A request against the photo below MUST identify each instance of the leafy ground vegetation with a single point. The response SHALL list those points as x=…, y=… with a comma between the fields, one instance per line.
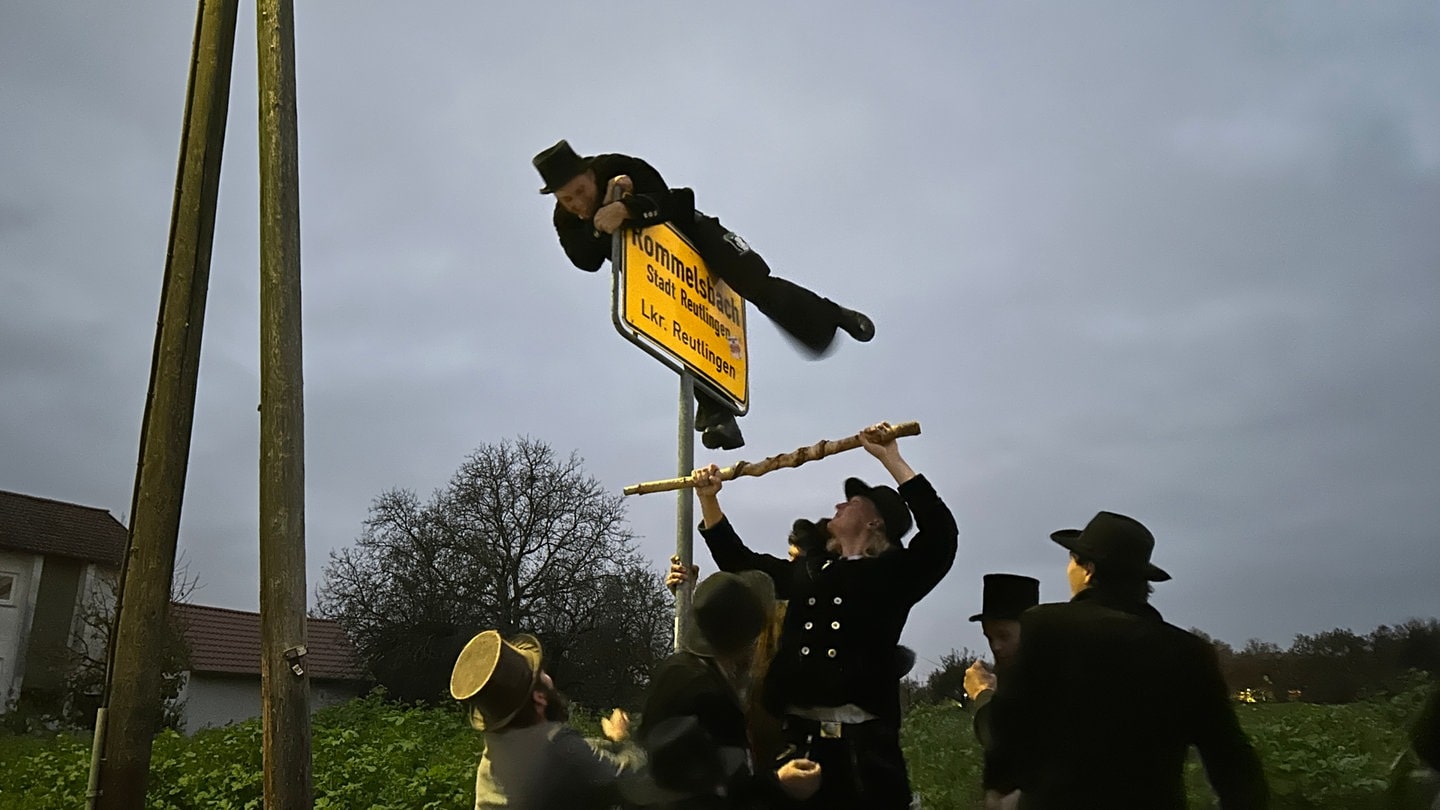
x=373, y=754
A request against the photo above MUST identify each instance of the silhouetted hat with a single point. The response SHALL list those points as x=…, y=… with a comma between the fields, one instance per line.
x=558, y=165
x=888, y=503
x=1121, y=542
x=730, y=611
x=810, y=536
x=495, y=677
x=1006, y=596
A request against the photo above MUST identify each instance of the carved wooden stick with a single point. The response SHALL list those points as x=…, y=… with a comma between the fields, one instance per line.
x=794, y=458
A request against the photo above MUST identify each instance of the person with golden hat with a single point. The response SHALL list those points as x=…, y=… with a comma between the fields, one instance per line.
x=533, y=759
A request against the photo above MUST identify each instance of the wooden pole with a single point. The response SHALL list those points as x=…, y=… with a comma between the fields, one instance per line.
x=132, y=691
x=794, y=458
x=284, y=686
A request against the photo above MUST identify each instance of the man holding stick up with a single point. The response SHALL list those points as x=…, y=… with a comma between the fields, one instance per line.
x=833, y=679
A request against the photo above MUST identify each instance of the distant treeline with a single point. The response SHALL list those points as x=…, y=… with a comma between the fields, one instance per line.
x=1336, y=666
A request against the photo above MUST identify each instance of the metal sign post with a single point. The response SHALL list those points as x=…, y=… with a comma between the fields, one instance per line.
x=685, y=507
x=667, y=302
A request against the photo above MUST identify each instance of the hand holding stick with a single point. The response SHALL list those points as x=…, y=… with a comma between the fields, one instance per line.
x=794, y=458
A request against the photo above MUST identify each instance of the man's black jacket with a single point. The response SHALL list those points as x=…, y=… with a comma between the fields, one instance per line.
x=1101, y=707
x=651, y=203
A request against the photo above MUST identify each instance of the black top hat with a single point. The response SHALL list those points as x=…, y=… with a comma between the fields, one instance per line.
x=888, y=503
x=558, y=165
x=730, y=611
x=1006, y=596
x=1120, y=541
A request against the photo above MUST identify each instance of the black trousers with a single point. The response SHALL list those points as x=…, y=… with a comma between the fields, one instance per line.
x=862, y=768
x=807, y=318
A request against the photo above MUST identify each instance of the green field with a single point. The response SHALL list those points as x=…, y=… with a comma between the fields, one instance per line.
x=369, y=754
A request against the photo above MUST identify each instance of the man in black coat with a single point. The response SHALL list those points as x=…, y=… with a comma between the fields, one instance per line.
x=1004, y=598
x=693, y=726
x=584, y=223
x=834, y=679
x=1105, y=698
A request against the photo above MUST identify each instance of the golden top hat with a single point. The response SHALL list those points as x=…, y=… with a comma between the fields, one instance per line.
x=495, y=677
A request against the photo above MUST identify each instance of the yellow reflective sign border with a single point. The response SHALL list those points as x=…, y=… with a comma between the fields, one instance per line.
x=667, y=302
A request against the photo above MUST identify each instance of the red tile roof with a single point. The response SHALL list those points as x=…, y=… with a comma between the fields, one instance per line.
x=46, y=527
x=228, y=641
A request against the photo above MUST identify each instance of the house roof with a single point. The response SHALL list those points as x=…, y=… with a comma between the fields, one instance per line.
x=46, y=527
x=227, y=641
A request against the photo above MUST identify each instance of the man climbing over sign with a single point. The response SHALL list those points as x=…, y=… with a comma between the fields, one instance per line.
x=584, y=223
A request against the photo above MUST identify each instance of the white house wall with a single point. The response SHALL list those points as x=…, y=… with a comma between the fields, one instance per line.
x=15, y=618
x=217, y=700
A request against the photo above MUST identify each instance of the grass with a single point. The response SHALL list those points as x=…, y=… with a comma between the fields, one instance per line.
x=370, y=754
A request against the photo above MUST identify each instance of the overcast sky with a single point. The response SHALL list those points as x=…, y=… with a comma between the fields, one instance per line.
x=1176, y=261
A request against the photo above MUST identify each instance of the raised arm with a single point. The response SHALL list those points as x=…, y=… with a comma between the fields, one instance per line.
x=932, y=551
x=726, y=547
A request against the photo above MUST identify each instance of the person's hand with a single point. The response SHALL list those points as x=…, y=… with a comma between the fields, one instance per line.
x=799, y=778
x=978, y=678
x=621, y=182
x=875, y=443
x=679, y=575
x=610, y=217
x=707, y=481
x=616, y=727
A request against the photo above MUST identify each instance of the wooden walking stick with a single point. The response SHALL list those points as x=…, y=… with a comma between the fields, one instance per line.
x=794, y=458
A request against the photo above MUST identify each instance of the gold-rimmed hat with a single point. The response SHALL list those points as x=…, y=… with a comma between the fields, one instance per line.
x=495, y=677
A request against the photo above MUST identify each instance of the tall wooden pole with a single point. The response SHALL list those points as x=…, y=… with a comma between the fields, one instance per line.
x=128, y=722
x=284, y=683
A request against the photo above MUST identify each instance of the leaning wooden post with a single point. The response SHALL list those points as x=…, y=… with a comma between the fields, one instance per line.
x=127, y=722
x=284, y=687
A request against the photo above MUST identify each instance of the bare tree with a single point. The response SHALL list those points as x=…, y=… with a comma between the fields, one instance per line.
x=85, y=678
x=519, y=540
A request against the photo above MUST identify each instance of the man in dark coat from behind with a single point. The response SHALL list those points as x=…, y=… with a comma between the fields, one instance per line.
x=1105, y=698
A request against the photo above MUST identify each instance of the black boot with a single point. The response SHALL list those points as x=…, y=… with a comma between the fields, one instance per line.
x=723, y=435
x=856, y=324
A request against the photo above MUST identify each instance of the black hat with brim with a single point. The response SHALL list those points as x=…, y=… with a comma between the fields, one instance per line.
x=731, y=610
x=558, y=165
x=1006, y=596
x=892, y=508
x=1118, y=540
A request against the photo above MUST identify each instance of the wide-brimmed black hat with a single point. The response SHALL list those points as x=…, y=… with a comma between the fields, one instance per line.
x=888, y=503
x=1006, y=596
x=558, y=165
x=1120, y=541
x=730, y=610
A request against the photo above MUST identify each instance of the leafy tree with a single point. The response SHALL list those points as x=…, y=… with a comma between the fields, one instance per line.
x=947, y=681
x=519, y=540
